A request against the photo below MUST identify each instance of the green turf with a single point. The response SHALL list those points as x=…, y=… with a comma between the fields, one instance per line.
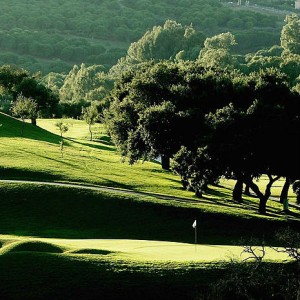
x=49, y=211
x=38, y=155
x=153, y=256
x=110, y=269
x=139, y=251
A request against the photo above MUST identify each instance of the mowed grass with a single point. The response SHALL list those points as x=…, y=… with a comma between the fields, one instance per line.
x=37, y=155
x=140, y=251
x=60, y=212
x=106, y=275
x=66, y=243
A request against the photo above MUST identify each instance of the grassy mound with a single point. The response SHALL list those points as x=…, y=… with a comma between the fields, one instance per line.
x=91, y=251
x=31, y=246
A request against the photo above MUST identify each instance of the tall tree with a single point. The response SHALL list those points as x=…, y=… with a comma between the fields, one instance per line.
x=290, y=34
x=24, y=108
x=90, y=115
x=217, y=51
x=160, y=107
x=17, y=81
x=242, y=139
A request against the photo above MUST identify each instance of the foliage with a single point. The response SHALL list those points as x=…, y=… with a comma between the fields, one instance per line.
x=62, y=127
x=248, y=281
x=99, y=32
x=15, y=81
x=260, y=279
x=83, y=85
x=164, y=42
x=24, y=108
x=90, y=115
x=290, y=34
x=216, y=51
x=290, y=239
x=153, y=107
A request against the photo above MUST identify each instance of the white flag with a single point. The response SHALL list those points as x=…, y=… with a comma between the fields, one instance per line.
x=195, y=224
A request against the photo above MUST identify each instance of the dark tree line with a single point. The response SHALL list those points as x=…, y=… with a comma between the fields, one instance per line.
x=15, y=82
x=212, y=122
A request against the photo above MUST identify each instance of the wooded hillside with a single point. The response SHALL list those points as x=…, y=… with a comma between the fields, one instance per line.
x=54, y=35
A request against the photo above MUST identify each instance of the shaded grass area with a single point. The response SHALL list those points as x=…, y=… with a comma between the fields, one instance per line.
x=57, y=276
x=11, y=128
x=39, y=270
x=49, y=211
x=102, y=274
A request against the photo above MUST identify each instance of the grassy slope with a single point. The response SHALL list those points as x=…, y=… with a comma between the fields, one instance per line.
x=32, y=210
x=37, y=155
x=64, y=213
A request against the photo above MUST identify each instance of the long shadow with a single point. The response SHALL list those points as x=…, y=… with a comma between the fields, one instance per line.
x=98, y=147
x=11, y=128
x=13, y=173
x=106, y=140
x=218, y=193
x=49, y=158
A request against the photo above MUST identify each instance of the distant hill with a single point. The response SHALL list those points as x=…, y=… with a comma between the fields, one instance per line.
x=54, y=35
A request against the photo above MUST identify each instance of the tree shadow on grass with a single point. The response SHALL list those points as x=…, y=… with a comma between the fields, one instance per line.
x=11, y=128
x=14, y=173
x=106, y=140
x=49, y=158
x=219, y=194
x=98, y=147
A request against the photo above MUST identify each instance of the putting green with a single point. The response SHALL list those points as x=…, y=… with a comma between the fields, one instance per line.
x=142, y=250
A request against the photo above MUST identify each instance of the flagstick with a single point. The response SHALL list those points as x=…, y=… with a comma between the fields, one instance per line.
x=196, y=238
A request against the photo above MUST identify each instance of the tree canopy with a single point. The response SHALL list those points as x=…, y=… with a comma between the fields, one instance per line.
x=212, y=122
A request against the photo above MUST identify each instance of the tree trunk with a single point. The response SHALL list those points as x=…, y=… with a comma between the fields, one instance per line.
x=22, y=128
x=91, y=134
x=285, y=190
x=237, y=191
x=247, y=190
x=184, y=182
x=165, y=162
x=262, y=205
x=263, y=198
x=33, y=121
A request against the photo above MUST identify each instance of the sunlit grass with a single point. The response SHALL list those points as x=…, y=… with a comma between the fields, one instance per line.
x=96, y=162
x=135, y=250
x=37, y=156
